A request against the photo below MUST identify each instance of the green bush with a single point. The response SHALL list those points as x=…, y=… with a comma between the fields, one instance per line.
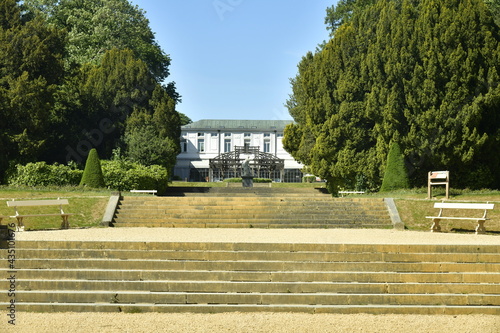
x=125, y=176
x=43, y=174
x=92, y=175
x=308, y=179
x=255, y=180
x=396, y=175
x=232, y=180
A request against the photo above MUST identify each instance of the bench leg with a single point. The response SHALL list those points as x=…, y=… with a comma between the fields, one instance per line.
x=65, y=222
x=480, y=229
x=435, y=226
x=20, y=224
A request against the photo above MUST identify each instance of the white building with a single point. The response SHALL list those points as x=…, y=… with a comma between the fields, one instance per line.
x=206, y=140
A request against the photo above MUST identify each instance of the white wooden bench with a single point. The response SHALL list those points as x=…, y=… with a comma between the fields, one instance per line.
x=350, y=192
x=460, y=206
x=153, y=192
x=35, y=203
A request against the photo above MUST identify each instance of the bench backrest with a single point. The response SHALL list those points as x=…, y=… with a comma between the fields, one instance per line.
x=57, y=202
x=460, y=205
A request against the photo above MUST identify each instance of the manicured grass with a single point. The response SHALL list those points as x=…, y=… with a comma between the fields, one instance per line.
x=88, y=205
x=413, y=206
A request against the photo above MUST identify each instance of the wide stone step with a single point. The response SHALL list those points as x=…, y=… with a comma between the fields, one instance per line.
x=226, y=276
x=388, y=249
x=281, y=210
x=263, y=287
x=231, y=222
x=168, y=265
x=184, y=213
x=201, y=201
x=215, y=308
x=227, y=298
x=283, y=225
x=262, y=276
x=36, y=256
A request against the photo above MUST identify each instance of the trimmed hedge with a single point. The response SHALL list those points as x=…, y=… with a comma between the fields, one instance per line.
x=255, y=180
x=126, y=176
x=118, y=175
x=309, y=179
x=43, y=174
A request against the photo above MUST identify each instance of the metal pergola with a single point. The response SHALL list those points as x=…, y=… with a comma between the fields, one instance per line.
x=263, y=165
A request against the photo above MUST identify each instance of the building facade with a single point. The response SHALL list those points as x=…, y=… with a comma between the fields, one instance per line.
x=207, y=140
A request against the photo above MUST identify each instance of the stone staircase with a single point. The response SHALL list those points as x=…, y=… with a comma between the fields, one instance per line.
x=254, y=208
x=53, y=276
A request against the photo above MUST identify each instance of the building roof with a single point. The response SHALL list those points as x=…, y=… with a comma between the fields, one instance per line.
x=219, y=124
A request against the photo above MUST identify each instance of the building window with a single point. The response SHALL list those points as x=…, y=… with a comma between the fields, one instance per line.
x=267, y=135
x=247, y=142
x=213, y=134
x=267, y=146
x=247, y=135
x=227, y=134
x=227, y=145
x=201, y=134
x=201, y=145
x=279, y=135
x=184, y=146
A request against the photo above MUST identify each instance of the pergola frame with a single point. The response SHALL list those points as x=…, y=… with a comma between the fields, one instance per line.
x=260, y=163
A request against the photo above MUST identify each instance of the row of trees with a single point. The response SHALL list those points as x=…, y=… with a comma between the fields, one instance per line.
x=422, y=74
x=83, y=74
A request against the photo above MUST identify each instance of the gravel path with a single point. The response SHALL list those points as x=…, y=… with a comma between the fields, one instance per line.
x=247, y=322
x=251, y=322
x=326, y=236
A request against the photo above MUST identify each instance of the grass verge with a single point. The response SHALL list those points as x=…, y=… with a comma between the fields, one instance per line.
x=88, y=205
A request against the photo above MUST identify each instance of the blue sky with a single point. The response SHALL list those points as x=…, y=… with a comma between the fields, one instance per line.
x=232, y=59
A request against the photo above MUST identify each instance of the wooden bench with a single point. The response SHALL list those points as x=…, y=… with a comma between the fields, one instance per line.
x=153, y=192
x=35, y=203
x=350, y=192
x=460, y=206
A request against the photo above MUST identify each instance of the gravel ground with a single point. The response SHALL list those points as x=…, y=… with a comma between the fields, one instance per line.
x=247, y=322
x=325, y=236
x=252, y=322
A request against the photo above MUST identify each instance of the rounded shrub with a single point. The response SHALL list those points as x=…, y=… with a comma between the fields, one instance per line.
x=92, y=175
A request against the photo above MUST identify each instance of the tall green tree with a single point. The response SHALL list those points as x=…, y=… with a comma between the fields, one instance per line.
x=31, y=68
x=97, y=26
x=112, y=90
x=152, y=134
x=423, y=74
x=494, y=6
x=343, y=11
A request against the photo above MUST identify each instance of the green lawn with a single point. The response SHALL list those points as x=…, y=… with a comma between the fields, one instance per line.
x=89, y=205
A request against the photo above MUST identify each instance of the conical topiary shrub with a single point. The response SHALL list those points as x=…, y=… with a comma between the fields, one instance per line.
x=92, y=175
x=396, y=175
